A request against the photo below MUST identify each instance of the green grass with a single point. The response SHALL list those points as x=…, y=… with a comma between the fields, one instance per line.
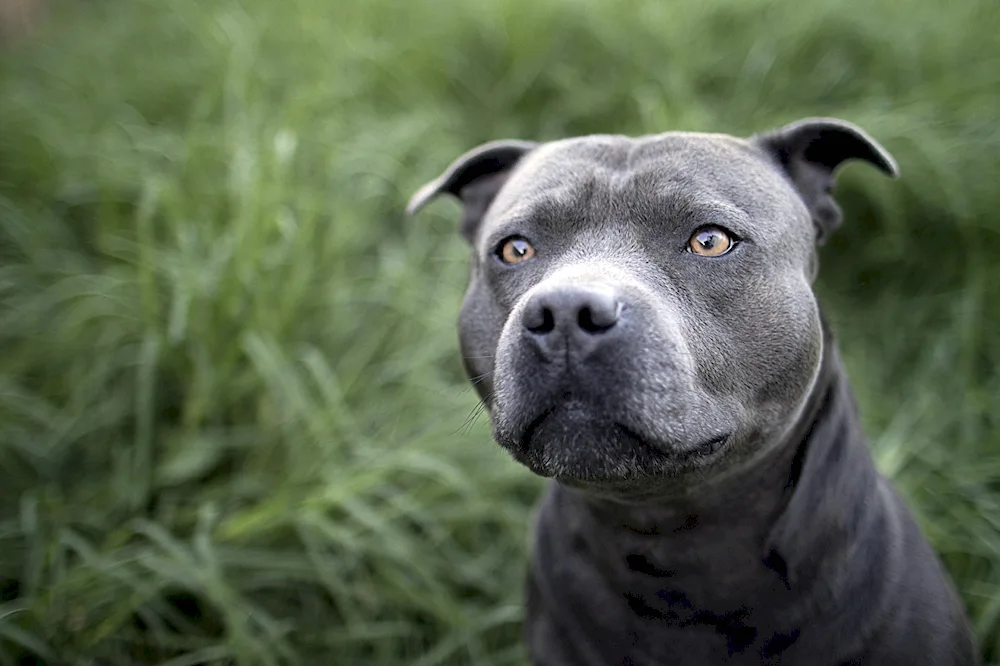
x=234, y=428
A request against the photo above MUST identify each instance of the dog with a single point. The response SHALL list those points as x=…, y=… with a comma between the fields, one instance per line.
x=641, y=325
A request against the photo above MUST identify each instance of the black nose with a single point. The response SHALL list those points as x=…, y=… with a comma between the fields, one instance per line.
x=574, y=315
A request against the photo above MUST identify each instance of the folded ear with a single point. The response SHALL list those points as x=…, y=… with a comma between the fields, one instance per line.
x=811, y=150
x=475, y=178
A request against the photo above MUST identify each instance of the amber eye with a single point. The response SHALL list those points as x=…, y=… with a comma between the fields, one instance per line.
x=515, y=250
x=710, y=242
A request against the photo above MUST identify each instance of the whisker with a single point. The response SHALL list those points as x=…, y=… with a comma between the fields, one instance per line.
x=468, y=418
x=475, y=381
x=480, y=410
x=473, y=416
x=475, y=420
x=479, y=378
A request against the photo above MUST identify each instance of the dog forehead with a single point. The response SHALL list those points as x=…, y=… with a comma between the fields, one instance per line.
x=596, y=168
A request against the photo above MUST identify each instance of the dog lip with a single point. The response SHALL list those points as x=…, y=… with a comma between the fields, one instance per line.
x=524, y=442
x=707, y=447
x=703, y=449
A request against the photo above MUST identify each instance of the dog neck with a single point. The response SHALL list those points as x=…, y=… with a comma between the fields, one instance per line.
x=786, y=520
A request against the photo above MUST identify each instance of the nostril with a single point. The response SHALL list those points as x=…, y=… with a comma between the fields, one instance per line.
x=598, y=319
x=571, y=310
x=585, y=319
x=542, y=321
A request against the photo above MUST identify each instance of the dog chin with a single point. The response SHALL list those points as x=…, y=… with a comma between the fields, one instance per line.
x=576, y=446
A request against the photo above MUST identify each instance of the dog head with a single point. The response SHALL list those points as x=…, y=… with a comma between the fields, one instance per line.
x=641, y=308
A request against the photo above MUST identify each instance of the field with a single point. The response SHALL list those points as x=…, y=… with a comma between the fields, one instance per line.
x=234, y=427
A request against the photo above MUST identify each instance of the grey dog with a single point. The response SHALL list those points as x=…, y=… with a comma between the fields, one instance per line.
x=641, y=317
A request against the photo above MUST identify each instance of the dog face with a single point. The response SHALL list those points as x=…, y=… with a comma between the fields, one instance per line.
x=642, y=308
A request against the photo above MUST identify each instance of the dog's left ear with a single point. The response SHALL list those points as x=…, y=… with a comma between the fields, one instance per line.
x=475, y=178
x=811, y=150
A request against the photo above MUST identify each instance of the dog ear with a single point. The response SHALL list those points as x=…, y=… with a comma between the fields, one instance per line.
x=474, y=178
x=811, y=150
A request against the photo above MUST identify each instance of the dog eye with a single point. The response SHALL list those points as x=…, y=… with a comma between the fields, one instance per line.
x=515, y=250
x=711, y=242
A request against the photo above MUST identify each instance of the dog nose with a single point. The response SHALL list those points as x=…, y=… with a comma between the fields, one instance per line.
x=578, y=314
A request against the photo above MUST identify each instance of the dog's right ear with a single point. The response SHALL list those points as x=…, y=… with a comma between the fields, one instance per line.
x=474, y=178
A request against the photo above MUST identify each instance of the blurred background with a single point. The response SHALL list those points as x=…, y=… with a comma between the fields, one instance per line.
x=234, y=427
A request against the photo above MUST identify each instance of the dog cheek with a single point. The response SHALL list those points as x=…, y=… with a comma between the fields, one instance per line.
x=479, y=325
x=763, y=347
x=489, y=335
x=790, y=356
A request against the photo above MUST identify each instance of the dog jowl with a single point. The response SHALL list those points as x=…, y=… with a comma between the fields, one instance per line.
x=642, y=312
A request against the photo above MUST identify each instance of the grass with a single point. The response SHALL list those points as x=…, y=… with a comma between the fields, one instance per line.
x=234, y=428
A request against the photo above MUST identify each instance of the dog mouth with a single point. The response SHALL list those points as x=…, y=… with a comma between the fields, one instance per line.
x=532, y=438
x=524, y=443
x=707, y=447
